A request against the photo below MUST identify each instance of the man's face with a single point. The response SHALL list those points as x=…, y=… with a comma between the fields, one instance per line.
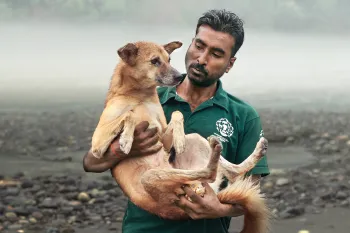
x=209, y=56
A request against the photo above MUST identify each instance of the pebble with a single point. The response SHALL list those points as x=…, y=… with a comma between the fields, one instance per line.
x=268, y=185
x=67, y=229
x=37, y=215
x=341, y=195
x=282, y=181
x=33, y=220
x=11, y=216
x=290, y=212
x=83, y=197
x=52, y=230
x=14, y=227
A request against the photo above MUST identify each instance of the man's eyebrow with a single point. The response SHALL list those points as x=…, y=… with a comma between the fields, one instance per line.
x=215, y=48
x=219, y=50
x=200, y=41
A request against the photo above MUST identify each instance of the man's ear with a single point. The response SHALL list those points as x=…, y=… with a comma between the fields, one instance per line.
x=128, y=53
x=230, y=64
x=170, y=47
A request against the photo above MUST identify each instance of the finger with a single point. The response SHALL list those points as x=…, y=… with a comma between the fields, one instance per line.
x=207, y=187
x=153, y=149
x=150, y=133
x=191, y=194
x=187, y=206
x=141, y=127
x=149, y=142
x=183, y=202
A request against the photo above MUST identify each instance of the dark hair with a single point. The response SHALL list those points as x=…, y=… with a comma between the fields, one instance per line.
x=224, y=21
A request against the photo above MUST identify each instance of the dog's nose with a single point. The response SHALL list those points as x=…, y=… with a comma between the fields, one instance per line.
x=179, y=77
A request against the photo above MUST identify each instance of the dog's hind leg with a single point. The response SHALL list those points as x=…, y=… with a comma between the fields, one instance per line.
x=158, y=181
x=243, y=191
x=232, y=171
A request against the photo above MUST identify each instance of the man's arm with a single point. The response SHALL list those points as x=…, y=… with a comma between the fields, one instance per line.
x=144, y=144
x=92, y=164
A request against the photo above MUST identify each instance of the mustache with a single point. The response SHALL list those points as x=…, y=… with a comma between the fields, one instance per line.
x=199, y=67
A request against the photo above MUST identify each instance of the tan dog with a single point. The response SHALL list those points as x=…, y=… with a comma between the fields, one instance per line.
x=152, y=182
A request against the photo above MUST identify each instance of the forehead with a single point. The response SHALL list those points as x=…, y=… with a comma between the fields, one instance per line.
x=214, y=38
x=152, y=50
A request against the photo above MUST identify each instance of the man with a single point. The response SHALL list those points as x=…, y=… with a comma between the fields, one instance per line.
x=207, y=110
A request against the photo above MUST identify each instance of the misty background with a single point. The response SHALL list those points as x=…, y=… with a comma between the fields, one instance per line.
x=64, y=51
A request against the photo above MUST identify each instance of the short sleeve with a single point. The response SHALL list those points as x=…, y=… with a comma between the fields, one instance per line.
x=251, y=135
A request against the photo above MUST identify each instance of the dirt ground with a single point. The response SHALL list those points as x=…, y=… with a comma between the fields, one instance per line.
x=331, y=220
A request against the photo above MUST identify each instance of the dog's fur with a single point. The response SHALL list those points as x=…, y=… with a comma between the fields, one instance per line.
x=154, y=182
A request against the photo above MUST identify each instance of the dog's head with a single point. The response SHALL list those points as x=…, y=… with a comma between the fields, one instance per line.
x=150, y=63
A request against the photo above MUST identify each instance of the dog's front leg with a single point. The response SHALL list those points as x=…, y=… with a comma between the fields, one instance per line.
x=174, y=135
x=127, y=136
x=111, y=123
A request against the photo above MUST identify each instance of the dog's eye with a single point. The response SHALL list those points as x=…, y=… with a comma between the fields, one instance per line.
x=155, y=61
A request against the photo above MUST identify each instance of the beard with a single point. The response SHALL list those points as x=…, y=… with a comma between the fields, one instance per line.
x=199, y=76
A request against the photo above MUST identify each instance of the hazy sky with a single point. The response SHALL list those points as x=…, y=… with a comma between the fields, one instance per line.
x=60, y=55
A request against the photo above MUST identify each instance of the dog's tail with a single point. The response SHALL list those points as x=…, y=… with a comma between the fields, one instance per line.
x=245, y=193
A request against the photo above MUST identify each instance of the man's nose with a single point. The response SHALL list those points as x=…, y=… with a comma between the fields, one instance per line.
x=202, y=59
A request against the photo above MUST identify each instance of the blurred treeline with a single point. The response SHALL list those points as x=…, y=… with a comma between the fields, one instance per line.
x=293, y=15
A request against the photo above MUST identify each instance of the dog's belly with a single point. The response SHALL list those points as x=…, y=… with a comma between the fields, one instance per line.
x=128, y=172
x=196, y=154
x=128, y=175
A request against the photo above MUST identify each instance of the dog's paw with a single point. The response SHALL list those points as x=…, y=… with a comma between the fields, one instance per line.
x=214, y=143
x=198, y=189
x=125, y=145
x=177, y=116
x=261, y=147
x=96, y=153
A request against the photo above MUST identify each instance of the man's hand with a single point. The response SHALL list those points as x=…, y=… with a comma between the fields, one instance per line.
x=208, y=206
x=144, y=143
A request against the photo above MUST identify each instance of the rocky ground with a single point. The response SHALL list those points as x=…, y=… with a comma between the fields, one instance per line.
x=65, y=203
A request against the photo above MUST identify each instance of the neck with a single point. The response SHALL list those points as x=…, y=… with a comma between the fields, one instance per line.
x=195, y=95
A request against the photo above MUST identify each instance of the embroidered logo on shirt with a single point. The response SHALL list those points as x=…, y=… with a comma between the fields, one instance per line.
x=224, y=127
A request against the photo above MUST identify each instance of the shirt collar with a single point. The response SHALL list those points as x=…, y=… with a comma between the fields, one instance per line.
x=220, y=98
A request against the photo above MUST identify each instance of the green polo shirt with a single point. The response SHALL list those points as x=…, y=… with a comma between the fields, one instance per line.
x=238, y=127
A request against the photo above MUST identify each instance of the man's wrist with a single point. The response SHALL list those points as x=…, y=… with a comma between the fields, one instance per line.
x=231, y=210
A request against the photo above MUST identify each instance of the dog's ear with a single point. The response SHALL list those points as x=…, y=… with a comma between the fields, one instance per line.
x=170, y=47
x=128, y=53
